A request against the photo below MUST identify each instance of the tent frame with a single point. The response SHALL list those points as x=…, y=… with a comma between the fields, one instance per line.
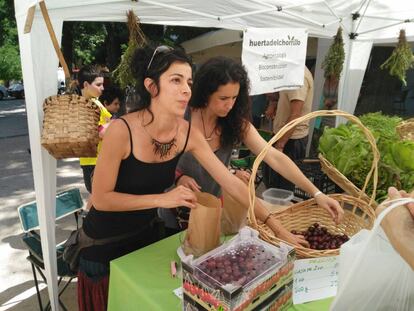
x=39, y=75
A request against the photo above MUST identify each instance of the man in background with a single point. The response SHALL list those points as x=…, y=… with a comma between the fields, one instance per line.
x=291, y=105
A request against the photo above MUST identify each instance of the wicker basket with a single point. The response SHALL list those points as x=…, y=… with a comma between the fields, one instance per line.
x=406, y=129
x=300, y=216
x=70, y=126
x=338, y=178
x=358, y=213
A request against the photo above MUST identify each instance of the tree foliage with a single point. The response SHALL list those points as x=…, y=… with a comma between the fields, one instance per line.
x=10, y=67
x=84, y=42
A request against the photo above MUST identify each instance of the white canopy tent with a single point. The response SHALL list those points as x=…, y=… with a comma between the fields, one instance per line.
x=364, y=21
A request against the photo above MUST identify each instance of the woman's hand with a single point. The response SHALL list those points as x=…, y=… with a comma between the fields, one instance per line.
x=244, y=176
x=179, y=196
x=294, y=239
x=189, y=183
x=331, y=205
x=284, y=234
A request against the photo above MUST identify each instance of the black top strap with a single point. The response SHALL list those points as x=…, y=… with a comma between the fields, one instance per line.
x=130, y=134
x=188, y=135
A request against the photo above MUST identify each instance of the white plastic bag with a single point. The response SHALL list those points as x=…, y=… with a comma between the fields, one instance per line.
x=372, y=275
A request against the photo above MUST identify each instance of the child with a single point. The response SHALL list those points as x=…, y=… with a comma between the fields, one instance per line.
x=111, y=99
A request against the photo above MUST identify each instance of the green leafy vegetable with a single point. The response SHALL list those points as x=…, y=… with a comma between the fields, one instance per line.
x=347, y=148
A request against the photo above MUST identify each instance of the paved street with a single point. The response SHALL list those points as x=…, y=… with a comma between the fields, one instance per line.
x=16, y=187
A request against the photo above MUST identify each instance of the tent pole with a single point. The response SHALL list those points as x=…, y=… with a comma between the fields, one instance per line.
x=271, y=8
x=344, y=77
x=39, y=65
x=386, y=18
x=362, y=15
x=336, y=15
x=387, y=26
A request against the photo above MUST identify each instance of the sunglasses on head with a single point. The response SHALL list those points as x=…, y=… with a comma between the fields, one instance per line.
x=160, y=49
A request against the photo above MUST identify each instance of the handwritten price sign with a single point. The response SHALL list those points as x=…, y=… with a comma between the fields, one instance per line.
x=315, y=279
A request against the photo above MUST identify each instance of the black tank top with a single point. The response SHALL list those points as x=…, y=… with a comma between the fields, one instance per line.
x=134, y=177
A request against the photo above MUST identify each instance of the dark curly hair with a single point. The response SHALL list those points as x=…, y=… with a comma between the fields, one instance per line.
x=214, y=73
x=160, y=63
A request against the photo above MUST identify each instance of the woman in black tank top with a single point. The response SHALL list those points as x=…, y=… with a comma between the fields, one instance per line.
x=136, y=164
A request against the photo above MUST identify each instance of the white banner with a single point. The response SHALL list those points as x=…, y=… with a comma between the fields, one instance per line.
x=274, y=58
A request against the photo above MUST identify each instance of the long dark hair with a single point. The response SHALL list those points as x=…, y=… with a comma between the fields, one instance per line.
x=214, y=73
x=160, y=63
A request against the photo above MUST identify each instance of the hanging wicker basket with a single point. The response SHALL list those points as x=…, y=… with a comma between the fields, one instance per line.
x=70, y=122
x=358, y=213
x=65, y=137
x=406, y=129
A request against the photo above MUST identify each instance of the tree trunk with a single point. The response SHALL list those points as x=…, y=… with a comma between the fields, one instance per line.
x=113, y=46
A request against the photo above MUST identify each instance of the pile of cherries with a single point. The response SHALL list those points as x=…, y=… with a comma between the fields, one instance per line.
x=319, y=237
x=238, y=265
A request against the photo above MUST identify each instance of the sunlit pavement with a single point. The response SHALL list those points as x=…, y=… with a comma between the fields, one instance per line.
x=17, y=291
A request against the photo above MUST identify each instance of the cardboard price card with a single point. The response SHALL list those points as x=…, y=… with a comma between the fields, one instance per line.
x=314, y=279
x=274, y=58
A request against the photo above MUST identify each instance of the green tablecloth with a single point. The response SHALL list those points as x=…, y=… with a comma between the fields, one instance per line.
x=141, y=280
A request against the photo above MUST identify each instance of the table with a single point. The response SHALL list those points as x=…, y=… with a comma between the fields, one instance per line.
x=141, y=280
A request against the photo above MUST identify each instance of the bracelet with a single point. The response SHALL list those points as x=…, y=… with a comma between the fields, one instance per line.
x=267, y=218
x=317, y=193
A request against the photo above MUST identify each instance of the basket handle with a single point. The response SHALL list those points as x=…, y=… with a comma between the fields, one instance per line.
x=52, y=35
x=320, y=113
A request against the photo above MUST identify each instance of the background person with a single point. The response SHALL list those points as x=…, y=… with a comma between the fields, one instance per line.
x=112, y=98
x=91, y=81
x=291, y=105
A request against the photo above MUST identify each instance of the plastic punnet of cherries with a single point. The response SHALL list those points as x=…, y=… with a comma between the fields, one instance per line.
x=239, y=265
x=319, y=238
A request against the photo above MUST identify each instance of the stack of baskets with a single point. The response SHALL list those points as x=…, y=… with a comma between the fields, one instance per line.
x=359, y=213
x=70, y=126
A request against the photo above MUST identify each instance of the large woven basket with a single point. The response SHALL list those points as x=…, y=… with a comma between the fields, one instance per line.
x=344, y=183
x=406, y=129
x=358, y=213
x=70, y=126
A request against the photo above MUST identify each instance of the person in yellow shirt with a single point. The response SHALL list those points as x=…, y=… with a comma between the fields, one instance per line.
x=91, y=85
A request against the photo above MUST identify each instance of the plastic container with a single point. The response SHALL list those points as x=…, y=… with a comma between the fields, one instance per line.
x=245, y=273
x=311, y=168
x=277, y=196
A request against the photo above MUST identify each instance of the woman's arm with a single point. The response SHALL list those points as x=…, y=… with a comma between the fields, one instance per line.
x=198, y=146
x=263, y=214
x=115, y=147
x=282, y=164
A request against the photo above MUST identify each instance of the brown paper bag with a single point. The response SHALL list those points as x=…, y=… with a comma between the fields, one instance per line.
x=234, y=215
x=203, y=233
